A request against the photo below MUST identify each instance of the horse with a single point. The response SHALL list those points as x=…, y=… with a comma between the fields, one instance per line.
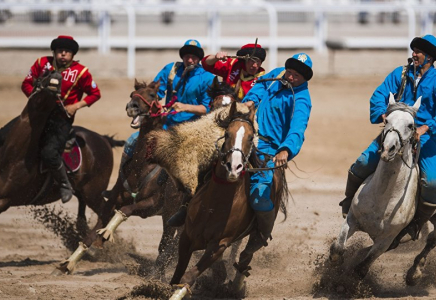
x=387, y=199
x=221, y=93
x=219, y=213
x=142, y=188
x=21, y=179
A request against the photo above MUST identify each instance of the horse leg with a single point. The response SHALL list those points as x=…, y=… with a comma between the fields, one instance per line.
x=337, y=248
x=185, y=254
x=166, y=249
x=213, y=252
x=81, y=225
x=380, y=246
x=243, y=266
x=414, y=274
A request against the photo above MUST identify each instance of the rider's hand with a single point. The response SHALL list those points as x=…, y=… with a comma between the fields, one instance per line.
x=178, y=107
x=384, y=118
x=420, y=131
x=221, y=56
x=281, y=158
x=249, y=104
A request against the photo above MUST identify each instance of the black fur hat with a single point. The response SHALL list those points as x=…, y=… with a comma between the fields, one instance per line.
x=65, y=42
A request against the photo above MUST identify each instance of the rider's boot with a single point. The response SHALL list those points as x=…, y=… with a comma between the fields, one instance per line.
x=178, y=219
x=265, y=225
x=60, y=175
x=124, y=159
x=353, y=184
x=411, y=232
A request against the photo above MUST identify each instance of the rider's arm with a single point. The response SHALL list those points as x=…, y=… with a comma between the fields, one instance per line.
x=295, y=136
x=380, y=98
x=34, y=72
x=259, y=90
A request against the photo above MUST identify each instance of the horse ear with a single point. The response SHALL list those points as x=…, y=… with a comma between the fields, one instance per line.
x=156, y=84
x=417, y=103
x=215, y=83
x=252, y=113
x=391, y=99
x=233, y=109
x=137, y=85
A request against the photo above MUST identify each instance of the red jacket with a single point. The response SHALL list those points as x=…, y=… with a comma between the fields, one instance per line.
x=231, y=72
x=76, y=76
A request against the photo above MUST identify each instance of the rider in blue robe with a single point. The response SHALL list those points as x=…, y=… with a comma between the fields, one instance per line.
x=408, y=86
x=283, y=107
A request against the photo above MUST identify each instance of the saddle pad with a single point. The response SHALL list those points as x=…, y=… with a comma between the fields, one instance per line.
x=72, y=158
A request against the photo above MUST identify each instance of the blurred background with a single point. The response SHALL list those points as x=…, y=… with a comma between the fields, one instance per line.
x=120, y=32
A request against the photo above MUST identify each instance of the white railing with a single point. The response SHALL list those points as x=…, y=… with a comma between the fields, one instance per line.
x=214, y=40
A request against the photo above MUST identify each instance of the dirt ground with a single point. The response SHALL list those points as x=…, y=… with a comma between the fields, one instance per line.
x=291, y=267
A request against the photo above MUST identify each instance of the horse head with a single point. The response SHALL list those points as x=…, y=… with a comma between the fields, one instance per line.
x=221, y=93
x=238, y=141
x=399, y=130
x=144, y=102
x=49, y=81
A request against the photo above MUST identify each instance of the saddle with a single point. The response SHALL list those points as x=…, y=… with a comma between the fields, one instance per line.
x=72, y=155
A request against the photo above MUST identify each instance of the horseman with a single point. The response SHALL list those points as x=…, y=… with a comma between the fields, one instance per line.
x=184, y=86
x=76, y=80
x=283, y=107
x=240, y=73
x=409, y=82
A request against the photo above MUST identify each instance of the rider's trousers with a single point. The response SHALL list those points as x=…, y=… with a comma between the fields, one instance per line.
x=261, y=182
x=367, y=162
x=54, y=137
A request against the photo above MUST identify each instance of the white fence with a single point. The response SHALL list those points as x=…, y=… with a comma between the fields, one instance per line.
x=278, y=25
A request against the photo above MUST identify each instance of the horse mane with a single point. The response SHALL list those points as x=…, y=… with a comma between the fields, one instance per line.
x=223, y=88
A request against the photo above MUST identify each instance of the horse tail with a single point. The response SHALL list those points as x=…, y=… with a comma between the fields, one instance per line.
x=113, y=142
x=282, y=192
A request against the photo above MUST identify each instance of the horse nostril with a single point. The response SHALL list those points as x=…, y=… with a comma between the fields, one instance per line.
x=228, y=166
x=239, y=167
x=392, y=149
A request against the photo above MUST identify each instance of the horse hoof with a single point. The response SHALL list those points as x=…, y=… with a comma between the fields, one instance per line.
x=57, y=272
x=413, y=276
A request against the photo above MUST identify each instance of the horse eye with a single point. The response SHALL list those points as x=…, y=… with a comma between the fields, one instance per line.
x=410, y=126
x=153, y=95
x=131, y=95
x=226, y=135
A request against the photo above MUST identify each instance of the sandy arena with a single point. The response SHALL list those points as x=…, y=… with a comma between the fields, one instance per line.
x=291, y=267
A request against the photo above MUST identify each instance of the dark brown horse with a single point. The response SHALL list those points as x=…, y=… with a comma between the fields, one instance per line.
x=219, y=213
x=22, y=183
x=142, y=188
x=221, y=93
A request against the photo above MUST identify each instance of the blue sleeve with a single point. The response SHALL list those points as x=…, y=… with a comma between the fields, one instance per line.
x=380, y=98
x=204, y=98
x=259, y=90
x=295, y=137
x=162, y=77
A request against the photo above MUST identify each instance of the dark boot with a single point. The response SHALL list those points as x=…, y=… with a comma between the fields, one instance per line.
x=411, y=232
x=178, y=219
x=353, y=184
x=60, y=175
x=124, y=159
x=265, y=224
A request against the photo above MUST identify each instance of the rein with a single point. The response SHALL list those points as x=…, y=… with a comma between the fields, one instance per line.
x=245, y=157
x=162, y=110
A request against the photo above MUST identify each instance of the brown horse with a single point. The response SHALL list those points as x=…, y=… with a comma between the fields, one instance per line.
x=221, y=93
x=219, y=213
x=22, y=183
x=142, y=188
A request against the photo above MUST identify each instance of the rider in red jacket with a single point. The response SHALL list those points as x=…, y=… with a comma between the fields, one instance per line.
x=76, y=80
x=239, y=73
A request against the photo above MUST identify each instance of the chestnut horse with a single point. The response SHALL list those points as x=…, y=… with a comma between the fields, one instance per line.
x=142, y=188
x=22, y=183
x=219, y=214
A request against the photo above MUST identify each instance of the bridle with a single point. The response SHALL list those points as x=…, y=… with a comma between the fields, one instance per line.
x=153, y=105
x=403, y=141
x=246, y=156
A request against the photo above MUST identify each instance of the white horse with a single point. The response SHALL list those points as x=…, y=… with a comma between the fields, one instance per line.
x=387, y=200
